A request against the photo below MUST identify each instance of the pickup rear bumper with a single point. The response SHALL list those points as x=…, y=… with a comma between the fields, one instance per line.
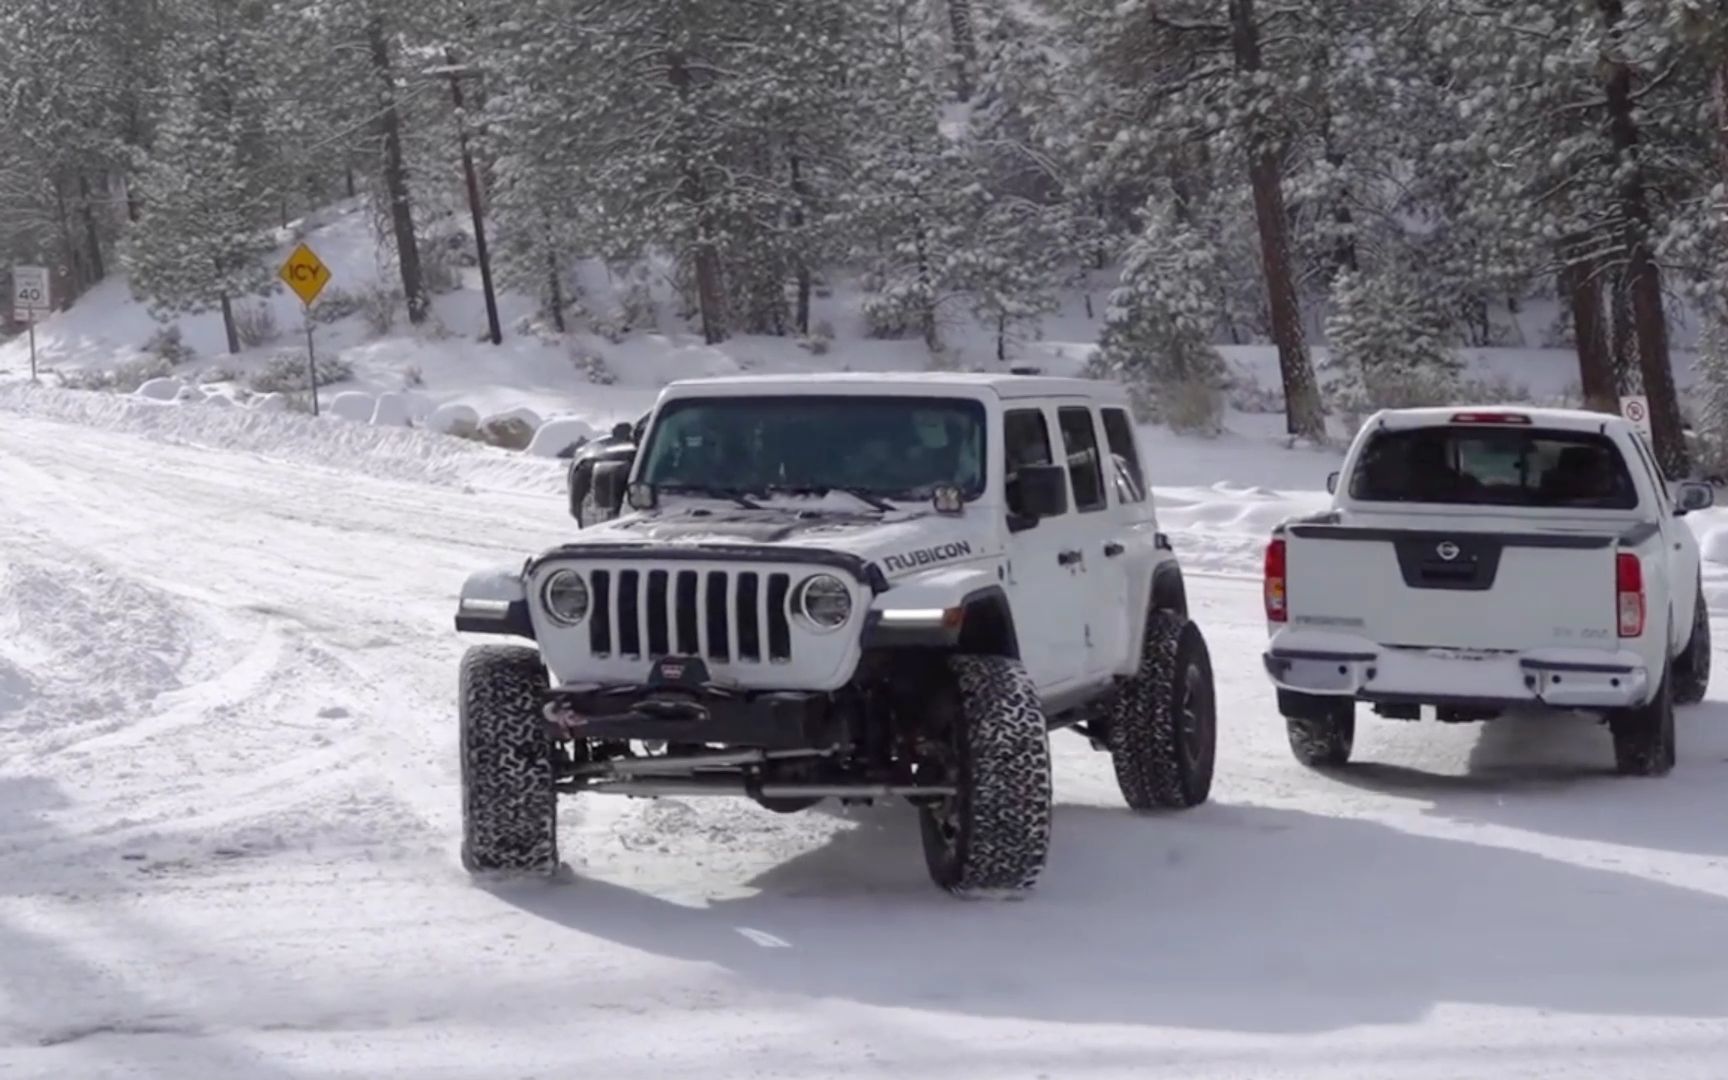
x=1338, y=665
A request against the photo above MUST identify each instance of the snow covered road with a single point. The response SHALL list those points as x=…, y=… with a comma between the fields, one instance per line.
x=228, y=832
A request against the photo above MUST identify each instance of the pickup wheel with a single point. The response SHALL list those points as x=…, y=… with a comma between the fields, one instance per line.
x=991, y=837
x=1644, y=736
x=1322, y=730
x=509, y=803
x=1164, y=726
x=1692, y=667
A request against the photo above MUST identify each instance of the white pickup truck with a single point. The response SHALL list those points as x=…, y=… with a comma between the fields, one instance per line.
x=1485, y=560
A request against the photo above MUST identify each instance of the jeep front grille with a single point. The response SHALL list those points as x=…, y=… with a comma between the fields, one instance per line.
x=722, y=616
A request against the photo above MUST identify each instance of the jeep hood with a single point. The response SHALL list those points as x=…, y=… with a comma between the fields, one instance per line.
x=902, y=542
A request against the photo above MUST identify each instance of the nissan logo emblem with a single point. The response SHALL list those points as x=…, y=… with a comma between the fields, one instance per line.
x=1447, y=550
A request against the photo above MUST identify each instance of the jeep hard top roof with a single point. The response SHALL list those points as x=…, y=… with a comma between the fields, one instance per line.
x=957, y=383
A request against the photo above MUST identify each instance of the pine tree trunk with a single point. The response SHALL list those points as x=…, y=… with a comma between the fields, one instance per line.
x=965, y=43
x=396, y=177
x=1303, y=413
x=1583, y=292
x=1644, y=277
x=228, y=326
x=1623, y=349
x=555, y=288
x=1344, y=246
x=92, y=234
x=802, y=269
x=74, y=258
x=710, y=277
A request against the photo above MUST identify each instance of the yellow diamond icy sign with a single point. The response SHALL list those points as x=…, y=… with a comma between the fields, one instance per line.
x=305, y=273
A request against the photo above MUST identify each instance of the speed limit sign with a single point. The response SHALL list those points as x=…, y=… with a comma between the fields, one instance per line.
x=30, y=294
x=1637, y=410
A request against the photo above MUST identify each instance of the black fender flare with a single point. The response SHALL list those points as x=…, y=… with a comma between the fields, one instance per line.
x=1169, y=590
x=986, y=628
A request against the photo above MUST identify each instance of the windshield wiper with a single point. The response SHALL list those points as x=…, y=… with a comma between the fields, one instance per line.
x=862, y=495
x=734, y=494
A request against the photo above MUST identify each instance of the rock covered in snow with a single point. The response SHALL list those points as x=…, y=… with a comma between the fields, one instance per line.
x=559, y=436
x=268, y=403
x=222, y=401
x=166, y=388
x=512, y=430
x=190, y=395
x=355, y=405
x=391, y=411
x=419, y=406
x=461, y=421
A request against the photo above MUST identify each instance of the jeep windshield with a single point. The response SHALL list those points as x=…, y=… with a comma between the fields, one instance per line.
x=1495, y=467
x=872, y=447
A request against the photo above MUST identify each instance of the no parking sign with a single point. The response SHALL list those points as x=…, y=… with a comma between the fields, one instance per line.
x=1637, y=410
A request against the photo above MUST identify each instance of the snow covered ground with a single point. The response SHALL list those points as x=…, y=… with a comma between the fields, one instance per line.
x=228, y=824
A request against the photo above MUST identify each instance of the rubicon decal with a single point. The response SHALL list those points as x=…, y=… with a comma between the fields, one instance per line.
x=929, y=556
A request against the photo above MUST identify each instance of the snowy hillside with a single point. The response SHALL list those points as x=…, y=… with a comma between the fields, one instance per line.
x=228, y=818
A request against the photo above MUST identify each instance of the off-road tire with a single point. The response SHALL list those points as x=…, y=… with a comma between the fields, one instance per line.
x=509, y=803
x=1644, y=736
x=1321, y=729
x=992, y=838
x=1692, y=667
x=1163, y=727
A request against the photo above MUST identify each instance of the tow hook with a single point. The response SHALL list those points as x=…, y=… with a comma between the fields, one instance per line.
x=563, y=724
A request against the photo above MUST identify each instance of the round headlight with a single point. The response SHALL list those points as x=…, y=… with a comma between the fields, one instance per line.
x=824, y=601
x=566, y=596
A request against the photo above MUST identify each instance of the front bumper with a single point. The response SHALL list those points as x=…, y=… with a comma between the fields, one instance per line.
x=1335, y=665
x=770, y=720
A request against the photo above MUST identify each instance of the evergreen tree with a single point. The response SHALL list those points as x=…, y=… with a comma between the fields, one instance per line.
x=1160, y=320
x=200, y=240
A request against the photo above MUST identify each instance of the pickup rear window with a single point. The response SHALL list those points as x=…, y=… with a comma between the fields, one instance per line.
x=1494, y=467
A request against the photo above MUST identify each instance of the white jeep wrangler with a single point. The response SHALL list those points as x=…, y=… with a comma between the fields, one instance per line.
x=851, y=587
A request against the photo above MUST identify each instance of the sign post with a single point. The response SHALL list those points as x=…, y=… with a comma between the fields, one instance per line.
x=1637, y=410
x=307, y=275
x=30, y=301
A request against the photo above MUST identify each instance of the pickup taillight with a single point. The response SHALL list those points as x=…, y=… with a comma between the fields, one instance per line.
x=1629, y=594
x=1277, y=604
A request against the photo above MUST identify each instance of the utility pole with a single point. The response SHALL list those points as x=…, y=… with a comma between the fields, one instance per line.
x=456, y=72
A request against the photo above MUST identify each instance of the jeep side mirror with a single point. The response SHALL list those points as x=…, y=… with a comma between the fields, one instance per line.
x=624, y=429
x=1692, y=495
x=1043, y=491
x=608, y=482
x=1332, y=483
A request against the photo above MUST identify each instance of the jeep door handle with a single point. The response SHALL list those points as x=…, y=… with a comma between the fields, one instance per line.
x=1113, y=549
x=1069, y=558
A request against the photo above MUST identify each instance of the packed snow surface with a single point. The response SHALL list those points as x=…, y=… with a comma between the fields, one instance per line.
x=229, y=820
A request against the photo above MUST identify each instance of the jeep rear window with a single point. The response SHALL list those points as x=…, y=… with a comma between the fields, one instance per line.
x=1522, y=467
x=885, y=445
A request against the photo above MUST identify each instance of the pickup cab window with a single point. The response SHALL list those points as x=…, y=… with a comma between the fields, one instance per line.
x=1494, y=467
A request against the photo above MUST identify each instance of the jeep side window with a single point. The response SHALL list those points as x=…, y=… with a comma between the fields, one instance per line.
x=1080, y=440
x=1025, y=441
x=1130, y=481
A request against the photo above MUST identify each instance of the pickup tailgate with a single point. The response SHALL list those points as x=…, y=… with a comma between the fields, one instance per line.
x=1437, y=589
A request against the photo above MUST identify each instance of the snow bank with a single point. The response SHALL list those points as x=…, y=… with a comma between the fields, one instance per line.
x=388, y=453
